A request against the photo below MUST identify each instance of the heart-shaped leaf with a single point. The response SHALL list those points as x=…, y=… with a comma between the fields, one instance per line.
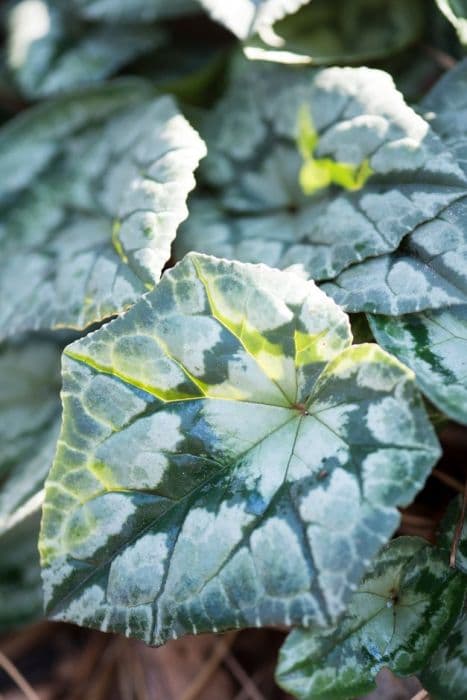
x=404, y=608
x=318, y=169
x=62, y=53
x=93, y=187
x=324, y=32
x=226, y=459
x=434, y=345
x=445, y=677
x=246, y=17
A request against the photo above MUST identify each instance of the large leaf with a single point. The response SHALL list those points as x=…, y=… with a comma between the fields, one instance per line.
x=456, y=12
x=133, y=10
x=246, y=17
x=226, y=458
x=434, y=345
x=429, y=271
x=318, y=169
x=445, y=677
x=403, y=609
x=325, y=32
x=49, y=50
x=93, y=187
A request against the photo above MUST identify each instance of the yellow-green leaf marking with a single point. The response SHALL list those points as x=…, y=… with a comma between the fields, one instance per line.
x=227, y=458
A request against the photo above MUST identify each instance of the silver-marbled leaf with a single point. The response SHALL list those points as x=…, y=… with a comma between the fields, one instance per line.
x=429, y=270
x=246, y=17
x=445, y=677
x=49, y=50
x=92, y=189
x=434, y=345
x=403, y=610
x=227, y=458
x=316, y=168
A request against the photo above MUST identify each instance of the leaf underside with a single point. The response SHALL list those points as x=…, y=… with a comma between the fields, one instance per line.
x=227, y=459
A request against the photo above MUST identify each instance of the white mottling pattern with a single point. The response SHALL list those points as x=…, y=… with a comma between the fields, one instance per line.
x=146, y=560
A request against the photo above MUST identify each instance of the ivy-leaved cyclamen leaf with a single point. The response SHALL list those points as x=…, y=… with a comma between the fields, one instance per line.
x=403, y=610
x=49, y=50
x=133, y=10
x=445, y=677
x=456, y=13
x=227, y=458
x=92, y=190
x=434, y=345
x=324, y=32
x=429, y=271
x=318, y=169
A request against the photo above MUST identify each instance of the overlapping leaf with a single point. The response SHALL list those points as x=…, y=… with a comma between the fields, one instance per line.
x=29, y=427
x=324, y=32
x=373, y=170
x=456, y=12
x=226, y=459
x=429, y=270
x=246, y=17
x=434, y=345
x=445, y=677
x=50, y=50
x=404, y=608
x=93, y=187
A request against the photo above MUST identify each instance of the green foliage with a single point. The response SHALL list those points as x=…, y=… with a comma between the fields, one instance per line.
x=226, y=420
x=226, y=456
x=404, y=608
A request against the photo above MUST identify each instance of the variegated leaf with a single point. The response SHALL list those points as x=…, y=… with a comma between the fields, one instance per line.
x=434, y=345
x=92, y=189
x=456, y=13
x=445, y=677
x=226, y=459
x=404, y=608
x=49, y=50
x=318, y=169
x=133, y=10
x=246, y=17
x=429, y=271
x=324, y=32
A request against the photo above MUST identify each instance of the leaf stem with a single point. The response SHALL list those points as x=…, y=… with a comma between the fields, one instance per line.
x=458, y=530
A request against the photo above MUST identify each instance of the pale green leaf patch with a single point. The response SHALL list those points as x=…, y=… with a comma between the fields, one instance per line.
x=434, y=345
x=247, y=17
x=315, y=168
x=227, y=458
x=403, y=610
x=93, y=188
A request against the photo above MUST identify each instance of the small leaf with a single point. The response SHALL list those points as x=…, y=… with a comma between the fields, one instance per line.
x=445, y=677
x=93, y=189
x=246, y=17
x=434, y=345
x=324, y=32
x=49, y=50
x=226, y=458
x=404, y=608
x=374, y=171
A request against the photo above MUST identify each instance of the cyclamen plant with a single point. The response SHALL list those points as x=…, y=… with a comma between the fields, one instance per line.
x=227, y=453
